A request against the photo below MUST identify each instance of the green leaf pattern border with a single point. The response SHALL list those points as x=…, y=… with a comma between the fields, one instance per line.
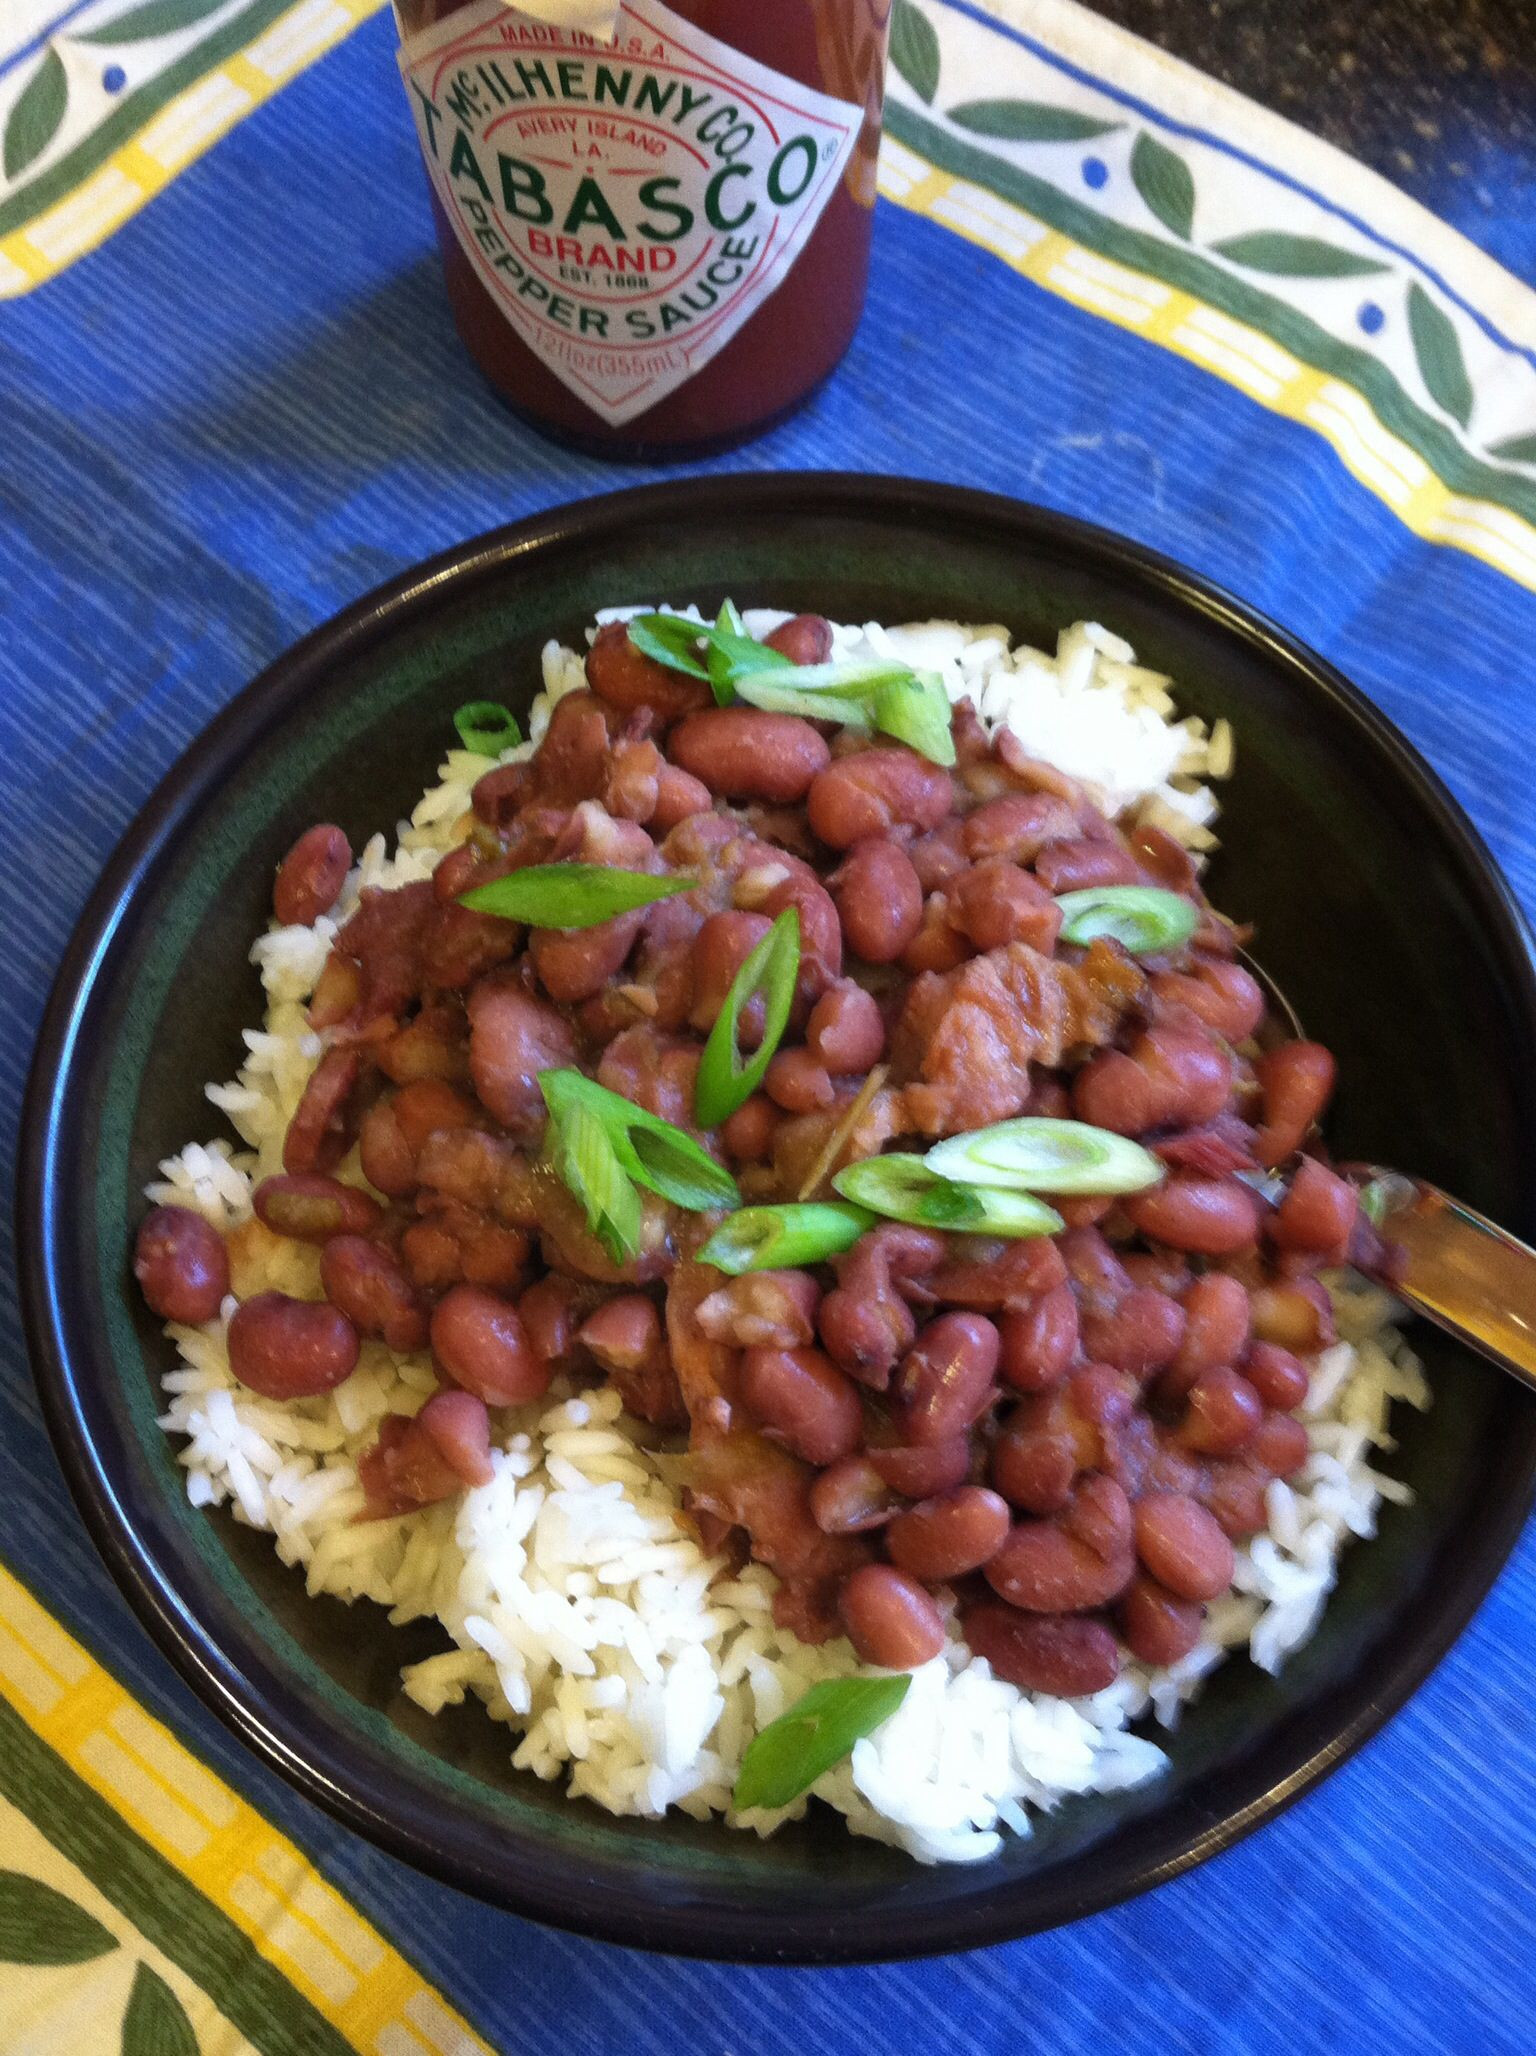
x=80, y=75
x=42, y=1928
x=1167, y=191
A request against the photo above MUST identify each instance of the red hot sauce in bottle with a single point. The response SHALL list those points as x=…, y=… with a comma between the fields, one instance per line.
x=657, y=245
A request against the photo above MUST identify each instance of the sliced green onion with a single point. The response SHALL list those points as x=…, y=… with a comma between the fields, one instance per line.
x=1040, y=1155
x=670, y=640
x=915, y=710
x=734, y=655
x=760, y=690
x=724, y=1081
x=589, y=1165
x=570, y=895
x=789, y=1755
x=781, y=1238
x=650, y=1150
x=903, y=1188
x=1141, y=918
x=487, y=727
x=856, y=678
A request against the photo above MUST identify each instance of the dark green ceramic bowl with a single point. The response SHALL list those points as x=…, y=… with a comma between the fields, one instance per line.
x=1379, y=911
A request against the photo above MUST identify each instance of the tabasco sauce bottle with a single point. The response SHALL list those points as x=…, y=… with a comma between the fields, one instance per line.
x=654, y=218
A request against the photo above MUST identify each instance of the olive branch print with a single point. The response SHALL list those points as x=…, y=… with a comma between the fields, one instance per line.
x=43, y=103
x=1165, y=185
x=42, y=1928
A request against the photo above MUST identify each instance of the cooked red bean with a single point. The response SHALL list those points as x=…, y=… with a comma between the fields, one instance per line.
x=311, y=1207
x=741, y=753
x=388, y=1161
x=369, y=1286
x=1158, y=1627
x=405, y=1469
x=1279, y=1378
x=918, y=1471
x=950, y=1535
x=679, y=796
x=995, y=903
x=941, y=856
x=942, y=1383
x=796, y=1082
x=890, y=1619
x=1234, y=1493
x=1207, y=1216
x=1034, y=1468
x=1222, y=1412
x=498, y=794
x=1110, y=1091
x=479, y=1343
x=1216, y=1322
x=311, y=875
x=290, y=1348
x=573, y=964
x=433, y=1045
x=1140, y=1335
x=851, y=1497
x=874, y=791
x=748, y=1133
x=762, y=1310
x=866, y=1325
x=938, y=944
x=821, y=933
x=618, y=673
x=1070, y=1657
x=458, y=1424
x=623, y=1332
x=879, y=900
x=804, y=1401
x=573, y=758
x=1169, y=862
x=1191, y=1071
x=1317, y=1214
x=432, y=1256
x=995, y=1274
x=1278, y=1446
x=721, y=947
x=803, y=638
x=1080, y=1560
x=321, y=1130
x=338, y=993
x=1182, y=1546
x=1075, y=866
x=1016, y=826
x=845, y=1032
x=1101, y=1279
x=1223, y=995
x=181, y=1264
x=1296, y=1080
x=1038, y=1343
x=512, y=1037
x=1158, y=1270
x=1295, y=1313
x=550, y=1313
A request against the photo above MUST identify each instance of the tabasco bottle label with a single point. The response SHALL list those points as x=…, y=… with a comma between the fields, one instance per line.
x=629, y=203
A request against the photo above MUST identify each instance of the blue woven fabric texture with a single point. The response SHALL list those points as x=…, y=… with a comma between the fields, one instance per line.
x=248, y=408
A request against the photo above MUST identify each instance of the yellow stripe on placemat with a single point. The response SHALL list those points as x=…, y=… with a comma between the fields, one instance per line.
x=172, y=139
x=1239, y=355
x=235, y=1857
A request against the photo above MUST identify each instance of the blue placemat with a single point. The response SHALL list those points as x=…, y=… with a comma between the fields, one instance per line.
x=1161, y=309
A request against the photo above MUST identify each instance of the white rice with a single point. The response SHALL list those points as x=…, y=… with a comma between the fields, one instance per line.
x=579, y=1607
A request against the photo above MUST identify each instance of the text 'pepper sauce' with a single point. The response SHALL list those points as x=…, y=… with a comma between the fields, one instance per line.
x=659, y=243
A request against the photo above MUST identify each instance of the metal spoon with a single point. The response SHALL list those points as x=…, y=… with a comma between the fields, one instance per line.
x=1453, y=1265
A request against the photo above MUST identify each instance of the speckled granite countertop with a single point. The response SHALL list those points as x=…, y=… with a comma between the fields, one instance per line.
x=1437, y=95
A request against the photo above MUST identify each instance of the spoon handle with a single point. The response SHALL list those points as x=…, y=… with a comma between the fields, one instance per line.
x=1459, y=1269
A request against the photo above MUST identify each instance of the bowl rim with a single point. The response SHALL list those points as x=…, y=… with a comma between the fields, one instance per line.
x=176, y=805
